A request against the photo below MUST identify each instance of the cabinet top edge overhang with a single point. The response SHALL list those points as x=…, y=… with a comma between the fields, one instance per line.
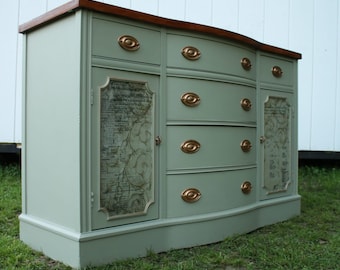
x=75, y=5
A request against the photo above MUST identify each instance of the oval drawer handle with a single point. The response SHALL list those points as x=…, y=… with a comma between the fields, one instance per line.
x=191, y=195
x=191, y=53
x=128, y=43
x=246, y=104
x=277, y=71
x=246, y=63
x=246, y=145
x=190, y=99
x=190, y=146
x=246, y=187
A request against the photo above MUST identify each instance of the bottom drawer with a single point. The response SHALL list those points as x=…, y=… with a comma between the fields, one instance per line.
x=218, y=191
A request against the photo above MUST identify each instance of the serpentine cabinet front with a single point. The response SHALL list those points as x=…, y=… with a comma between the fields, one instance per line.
x=161, y=134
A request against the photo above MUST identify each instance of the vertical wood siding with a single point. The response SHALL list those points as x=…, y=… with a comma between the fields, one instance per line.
x=310, y=27
x=324, y=74
x=9, y=101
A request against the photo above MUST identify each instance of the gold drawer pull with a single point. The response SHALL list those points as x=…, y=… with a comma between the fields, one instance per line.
x=190, y=99
x=128, y=43
x=191, y=53
x=190, y=146
x=277, y=72
x=246, y=63
x=246, y=104
x=246, y=145
x=191, y=195
x=246, y=187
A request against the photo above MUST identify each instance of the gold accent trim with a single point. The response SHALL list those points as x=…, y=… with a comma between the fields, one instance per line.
x=246, y=145
x=191, y=195
x=277, y=71
x=128, y=43
x=190, y=146
x=190, y=99
x=246, y=187
x=246, y=63
x=246, y=104
x=191, y=53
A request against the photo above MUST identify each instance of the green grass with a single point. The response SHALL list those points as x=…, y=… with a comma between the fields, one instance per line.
x=13, y=253
x=309, y=241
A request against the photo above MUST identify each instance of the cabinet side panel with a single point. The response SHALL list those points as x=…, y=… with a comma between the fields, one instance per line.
x=52, y=123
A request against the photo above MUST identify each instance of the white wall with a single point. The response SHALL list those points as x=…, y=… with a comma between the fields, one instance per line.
x=10, y=92
x=311, y=27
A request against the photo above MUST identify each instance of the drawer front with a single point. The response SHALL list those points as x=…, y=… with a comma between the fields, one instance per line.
x=276, y=71
x=213, y=56
x=218, y=191
x=190, y=147
x=105, y=42
x=200, y=100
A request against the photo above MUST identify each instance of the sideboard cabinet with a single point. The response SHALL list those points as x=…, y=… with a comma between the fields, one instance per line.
x=143, y=133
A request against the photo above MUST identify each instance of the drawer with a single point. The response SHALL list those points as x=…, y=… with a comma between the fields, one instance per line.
x=105, y=42
x=217, y=191
x=276, y=71
x=191, y=147
x=213, y=56
x=201, y=100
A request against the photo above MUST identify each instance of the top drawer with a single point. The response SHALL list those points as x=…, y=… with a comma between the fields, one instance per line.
x=212, y=56
x=141, y=44
x=276, y=71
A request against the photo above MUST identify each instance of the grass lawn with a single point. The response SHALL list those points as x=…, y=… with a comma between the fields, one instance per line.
x=309, y=241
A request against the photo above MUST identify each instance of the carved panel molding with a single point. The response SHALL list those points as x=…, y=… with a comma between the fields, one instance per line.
x=277, y=144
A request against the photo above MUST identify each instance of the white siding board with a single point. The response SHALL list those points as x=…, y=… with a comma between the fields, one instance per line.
x=337, y=98
x=30, y=9
x=301, y=40
x=324, y=74
x=18, y=93
x=146, y=6
x=120, y=3
x=225, y=14
x=276, y=23
x=51, y=4
x=8, y=55
x=251, y=18
x=174, y=9
x=199, y=11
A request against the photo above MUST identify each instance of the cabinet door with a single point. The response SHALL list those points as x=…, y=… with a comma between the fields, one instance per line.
x=277, y=144
x=124, y=150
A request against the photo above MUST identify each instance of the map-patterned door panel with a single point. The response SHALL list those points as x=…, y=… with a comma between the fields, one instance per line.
x=125, y=142
x=276, y=144
x=126, y=158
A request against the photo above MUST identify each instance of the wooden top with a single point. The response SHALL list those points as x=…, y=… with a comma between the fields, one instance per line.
x=74, y=5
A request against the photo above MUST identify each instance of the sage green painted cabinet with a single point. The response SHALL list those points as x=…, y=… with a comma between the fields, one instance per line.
x=142, y=133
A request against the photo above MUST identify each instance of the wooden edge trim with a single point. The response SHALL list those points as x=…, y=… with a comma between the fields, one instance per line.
x=152, y=19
